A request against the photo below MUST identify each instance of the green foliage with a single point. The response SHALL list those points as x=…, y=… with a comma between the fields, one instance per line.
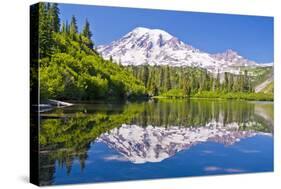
x=87, y=34
x=54, y=17
x=164, y=78
x=88, y=78
x=174, y=93
x=69, y=67
x=174, y=82
x=235, y=95
x=45, y=32
x=179, y=93
x=73, y=26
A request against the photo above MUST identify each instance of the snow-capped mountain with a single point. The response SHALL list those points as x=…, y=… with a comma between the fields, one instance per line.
x=157, y=47
x=154, y=144
x=232, y=58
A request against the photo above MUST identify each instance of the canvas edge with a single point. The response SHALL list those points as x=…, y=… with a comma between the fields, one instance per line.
x=34, y=95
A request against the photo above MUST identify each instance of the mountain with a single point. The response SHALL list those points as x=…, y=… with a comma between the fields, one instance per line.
x=157, y=47
x=154, y=144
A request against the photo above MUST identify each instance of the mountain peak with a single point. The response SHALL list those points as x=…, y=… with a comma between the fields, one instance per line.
x=157, y=47
x=230, y=51
x=140, y=30
x=152, y=32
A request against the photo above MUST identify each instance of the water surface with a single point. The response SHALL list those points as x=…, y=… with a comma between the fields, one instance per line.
x=98, y=142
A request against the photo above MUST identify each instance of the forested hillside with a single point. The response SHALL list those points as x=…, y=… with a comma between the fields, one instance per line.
x=71, y=69
x=179, y=82
x=161, y=79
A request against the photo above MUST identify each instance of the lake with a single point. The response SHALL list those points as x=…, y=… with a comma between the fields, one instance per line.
x=118, y=141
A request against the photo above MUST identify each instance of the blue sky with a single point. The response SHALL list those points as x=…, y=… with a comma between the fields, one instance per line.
x=250, y=36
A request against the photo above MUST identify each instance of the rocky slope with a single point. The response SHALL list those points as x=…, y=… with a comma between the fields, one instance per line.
x=157, y=47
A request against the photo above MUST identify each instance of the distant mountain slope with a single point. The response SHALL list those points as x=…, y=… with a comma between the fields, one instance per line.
x=266, y=86
x=157, y=47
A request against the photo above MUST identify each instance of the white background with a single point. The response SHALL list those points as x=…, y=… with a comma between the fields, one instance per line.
x=14, y=93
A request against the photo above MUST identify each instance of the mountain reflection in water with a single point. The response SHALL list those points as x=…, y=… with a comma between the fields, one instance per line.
x=154, y=144
x=142, y=132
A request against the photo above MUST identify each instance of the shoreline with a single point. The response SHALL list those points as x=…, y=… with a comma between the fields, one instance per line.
x=206, y=98
x=238, y=96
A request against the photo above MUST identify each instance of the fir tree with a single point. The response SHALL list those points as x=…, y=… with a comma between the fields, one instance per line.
x=186, y=87
x=45, y=34
x=86, y=30
x=73, y=29
x=87, y=33
x=167, y=79
x=54, y=17
x=217, y=82
x=67, y=27
x=145, y=75
x=161, y=83
x=63, y=28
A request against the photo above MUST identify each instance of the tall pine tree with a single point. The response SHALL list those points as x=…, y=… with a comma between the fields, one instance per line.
x=54, y=17
x=167, y=79
x=45, y=33
x=63, y=28
x=88, y=34
x=73, y=29
x=86, y=30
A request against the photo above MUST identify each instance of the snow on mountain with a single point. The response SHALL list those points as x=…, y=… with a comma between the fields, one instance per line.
x=266, y=64
x=157, y=47
x=154, y=144
x=232, y=58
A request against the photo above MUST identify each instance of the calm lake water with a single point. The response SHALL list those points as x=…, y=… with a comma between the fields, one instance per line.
x=98, y=142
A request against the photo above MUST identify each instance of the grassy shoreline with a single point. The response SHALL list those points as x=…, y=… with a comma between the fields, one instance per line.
x=219, y=95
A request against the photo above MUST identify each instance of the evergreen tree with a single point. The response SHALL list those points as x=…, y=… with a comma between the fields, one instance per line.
x=145, y=75
x=54, y=17
x=63, y=28
x=86, y=30
x=241, y=82
x=246, y=82
x=230, y=83
x=186, y=87
x=73, y=29
x=67, y=27
x=151, y=78
x=217, y=82
x=207, y=81
x=154, y=89
x=45, y=34
x=226, y=82
x=167, y=79
x=161, y=78
x=192, y=84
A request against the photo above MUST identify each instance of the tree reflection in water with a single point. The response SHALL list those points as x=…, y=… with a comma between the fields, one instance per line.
x=66, y=134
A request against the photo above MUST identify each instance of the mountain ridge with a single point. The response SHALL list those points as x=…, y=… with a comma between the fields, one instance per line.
x=157, y=47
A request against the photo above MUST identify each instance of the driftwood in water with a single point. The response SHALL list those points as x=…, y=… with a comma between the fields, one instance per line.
x=51, y=104
x=58, y=103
